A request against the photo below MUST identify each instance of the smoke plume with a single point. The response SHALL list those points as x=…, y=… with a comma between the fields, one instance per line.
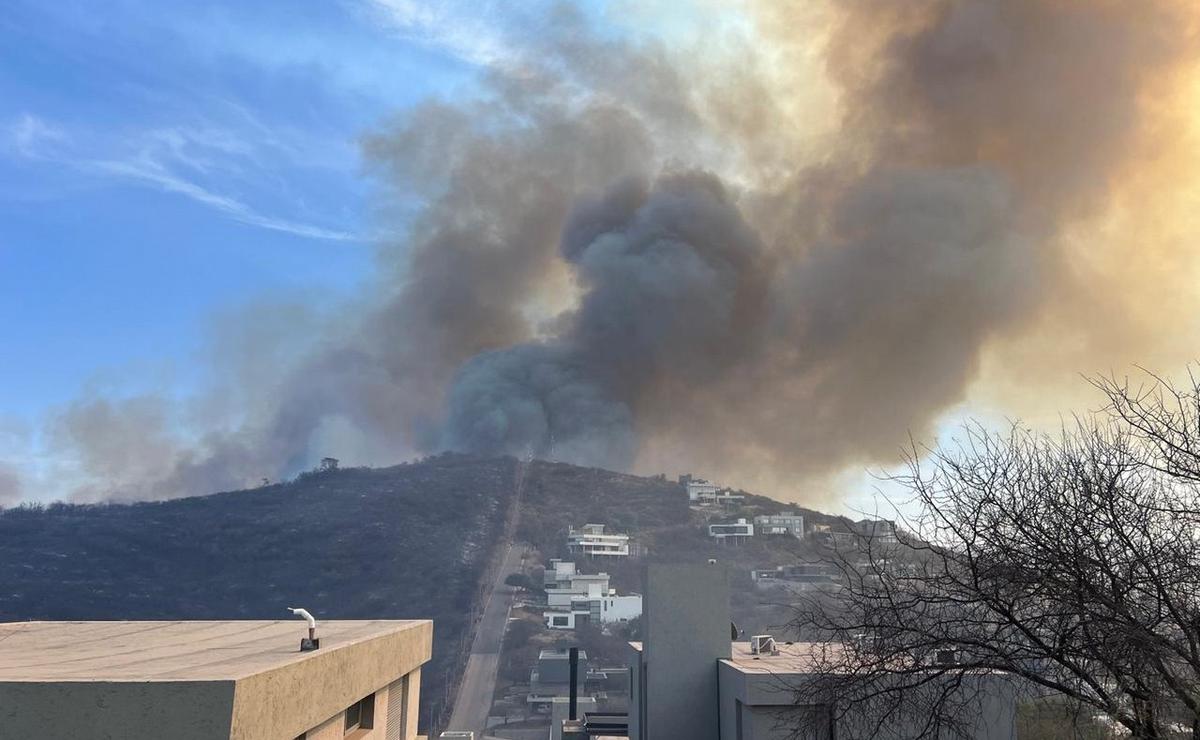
x=770, y=261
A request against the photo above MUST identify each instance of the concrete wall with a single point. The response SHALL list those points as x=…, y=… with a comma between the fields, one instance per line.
x=686, y=631
x=296, y=697
x=117, y=710
x=766, y=707
x=309, y=695
x=395, y=714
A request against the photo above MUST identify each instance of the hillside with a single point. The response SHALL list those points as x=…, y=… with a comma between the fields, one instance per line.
x=410, y=541
x=655, y=512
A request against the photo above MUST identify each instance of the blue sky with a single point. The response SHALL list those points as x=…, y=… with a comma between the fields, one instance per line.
x=160, y=161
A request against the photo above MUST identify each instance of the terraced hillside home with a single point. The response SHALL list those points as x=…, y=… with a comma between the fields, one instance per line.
x=591, y=540
x=785, y=523
x=200, y=680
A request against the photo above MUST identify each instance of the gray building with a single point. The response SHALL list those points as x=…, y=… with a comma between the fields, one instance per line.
x=762, y=696
x=673, y=677
x=688, y=679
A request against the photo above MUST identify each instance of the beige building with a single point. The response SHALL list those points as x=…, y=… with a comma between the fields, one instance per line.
x=236, y=680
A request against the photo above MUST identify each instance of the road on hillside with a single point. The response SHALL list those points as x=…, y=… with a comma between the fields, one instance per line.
x=479, y=679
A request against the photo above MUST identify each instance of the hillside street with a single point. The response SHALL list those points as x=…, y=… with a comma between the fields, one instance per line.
x=479, y=679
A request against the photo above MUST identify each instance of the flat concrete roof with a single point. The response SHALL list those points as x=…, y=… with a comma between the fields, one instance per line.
x=795, y=657
x=170, y=650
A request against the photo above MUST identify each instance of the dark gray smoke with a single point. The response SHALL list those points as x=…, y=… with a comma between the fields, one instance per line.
x=620, y=256
x=672, y=284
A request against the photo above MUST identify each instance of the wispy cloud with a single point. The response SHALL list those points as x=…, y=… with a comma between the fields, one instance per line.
x=178, y=160
x=154, y=174
x=467, y=30
x=30, y=135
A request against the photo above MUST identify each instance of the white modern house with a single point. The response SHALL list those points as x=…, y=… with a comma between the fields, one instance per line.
x=702, y=491
x=734, y=532
x=576, y=586
x=597, y=606
x=705, y=493
x=592, y=541
x=785, y=523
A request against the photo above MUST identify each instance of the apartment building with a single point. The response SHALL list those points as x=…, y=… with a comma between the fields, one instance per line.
x=205, y=680
x=591, y=540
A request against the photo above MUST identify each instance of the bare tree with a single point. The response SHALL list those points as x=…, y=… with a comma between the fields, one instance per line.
x=1068, y=564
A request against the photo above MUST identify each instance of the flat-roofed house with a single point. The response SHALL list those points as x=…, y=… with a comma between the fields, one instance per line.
x=593, y=541
x=206, y=680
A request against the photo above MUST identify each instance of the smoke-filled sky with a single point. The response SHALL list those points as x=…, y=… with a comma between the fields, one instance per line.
x=766, y=242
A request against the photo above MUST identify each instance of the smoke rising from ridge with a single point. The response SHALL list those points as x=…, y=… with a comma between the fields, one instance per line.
x=634, y=258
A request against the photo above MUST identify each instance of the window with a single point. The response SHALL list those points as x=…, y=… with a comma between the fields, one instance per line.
x=560, y=621
x=361, y=715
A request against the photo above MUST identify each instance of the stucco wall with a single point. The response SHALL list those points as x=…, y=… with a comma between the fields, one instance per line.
x=299, y=696
x=75, y=710
x=279, y=702
x=395, y=714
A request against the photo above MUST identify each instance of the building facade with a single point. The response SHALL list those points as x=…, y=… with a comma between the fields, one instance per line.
x=558, y=573
x=233, y=680
x=597, y=606
x=763, y=696
x=785, y=523
x=734, y=531
x=579, y=586
x=688, y=679
x=592, y=541
x=701, y=491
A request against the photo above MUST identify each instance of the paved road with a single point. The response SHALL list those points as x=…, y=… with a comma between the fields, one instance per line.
x=479, y=679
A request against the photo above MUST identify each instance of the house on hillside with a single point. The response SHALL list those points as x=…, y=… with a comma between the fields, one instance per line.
x=598, y=606
x=858, y=534
x=879, y=531
x=798, y=578
x=550, y=685
x=733, y=532
x=591, y=540
x=575, y=586
x=706, y=493
x=558, y=573
x=785, y=523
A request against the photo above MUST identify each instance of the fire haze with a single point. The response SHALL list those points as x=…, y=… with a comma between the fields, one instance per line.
x=771, y=256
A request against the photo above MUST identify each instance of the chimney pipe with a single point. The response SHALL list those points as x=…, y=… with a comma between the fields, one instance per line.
x=311, y=643
x=573, y=707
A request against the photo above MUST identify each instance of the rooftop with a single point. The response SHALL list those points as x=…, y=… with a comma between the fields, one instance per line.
x=796, y=657
x=170, y=651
